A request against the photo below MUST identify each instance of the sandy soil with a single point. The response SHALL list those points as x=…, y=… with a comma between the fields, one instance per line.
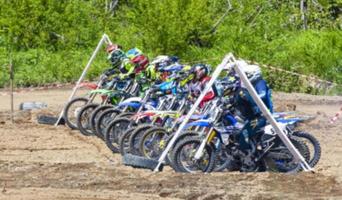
x=46, y=162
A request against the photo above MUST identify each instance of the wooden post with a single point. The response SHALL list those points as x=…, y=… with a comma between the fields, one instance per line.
x=11, y=85
x=303, y=9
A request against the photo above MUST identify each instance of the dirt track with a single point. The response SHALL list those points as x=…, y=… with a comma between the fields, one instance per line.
x=44, y=162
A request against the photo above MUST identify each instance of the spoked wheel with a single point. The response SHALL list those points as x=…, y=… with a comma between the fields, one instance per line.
x=114, y=131
x=136, y=136
x=153, y=142
x=72, y=109
x=124, y=141
x=184, y=156
x=313, y=144
x=104, y=119
x=95, y=116
x=283, y=160
x=83, y=118
x=223, y=160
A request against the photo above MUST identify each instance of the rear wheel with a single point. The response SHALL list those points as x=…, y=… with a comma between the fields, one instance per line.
x=313, y=144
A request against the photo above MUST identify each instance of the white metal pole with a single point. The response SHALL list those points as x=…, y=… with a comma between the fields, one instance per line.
x=215, y=75
x=107, y=40
x=268, y=115
x=83, y=73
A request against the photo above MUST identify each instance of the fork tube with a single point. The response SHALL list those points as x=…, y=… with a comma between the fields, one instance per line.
x=172, y=102
x=199, y=152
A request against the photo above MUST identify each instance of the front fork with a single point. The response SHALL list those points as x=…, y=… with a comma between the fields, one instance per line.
x=208, y=137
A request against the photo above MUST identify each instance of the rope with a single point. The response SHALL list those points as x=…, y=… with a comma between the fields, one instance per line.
x=310, y=77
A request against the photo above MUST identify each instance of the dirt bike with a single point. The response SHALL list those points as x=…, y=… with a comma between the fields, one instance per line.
x=217, y=147
x=120, y=90
x=73, y=106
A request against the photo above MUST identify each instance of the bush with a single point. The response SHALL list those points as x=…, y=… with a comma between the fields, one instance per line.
x=52, y=40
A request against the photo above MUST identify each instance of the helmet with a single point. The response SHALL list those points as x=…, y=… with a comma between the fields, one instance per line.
x=112, y=47
x=227, y=86
x=151, y=72
x=132, y=53
x=140, y=63
x=163, y=61
x=116, y=56
x=200, y=71
x=253, y=72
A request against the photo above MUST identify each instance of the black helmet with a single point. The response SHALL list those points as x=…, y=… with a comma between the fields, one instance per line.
x=116, y=57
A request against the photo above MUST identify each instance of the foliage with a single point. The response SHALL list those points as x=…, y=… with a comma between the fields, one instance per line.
x=51, y=40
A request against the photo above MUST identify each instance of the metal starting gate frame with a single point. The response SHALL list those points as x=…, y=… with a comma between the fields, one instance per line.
x=104, y=40
x=230, y=59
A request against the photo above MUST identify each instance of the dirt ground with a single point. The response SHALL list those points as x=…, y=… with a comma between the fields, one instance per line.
x=47, y=162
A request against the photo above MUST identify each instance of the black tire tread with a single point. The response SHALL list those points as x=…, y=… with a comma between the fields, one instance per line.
x=66, y=109
x=79, y=117
x=139, y=162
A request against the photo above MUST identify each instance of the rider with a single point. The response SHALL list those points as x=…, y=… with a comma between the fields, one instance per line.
x=133, y=64
x=115, y=55
x=247, y=107
x=199, y=79
x=154, y=71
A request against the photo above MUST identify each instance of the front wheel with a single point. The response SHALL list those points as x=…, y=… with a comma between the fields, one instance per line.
x=153, y=142
x=71, y=110
x=83, y=118
x=95, y=116
x=104, y=119
x=184, y=156
x=114, y=131
x=136, y=136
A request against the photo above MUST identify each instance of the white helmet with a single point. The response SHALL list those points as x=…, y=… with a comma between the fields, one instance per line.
x=253, y=72
x=160, y=59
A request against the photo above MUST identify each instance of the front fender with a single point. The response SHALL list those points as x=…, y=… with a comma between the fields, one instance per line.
x=200, y=123
x=132, y=99
x=129, y=104
x=101, y=91
x=91, y=86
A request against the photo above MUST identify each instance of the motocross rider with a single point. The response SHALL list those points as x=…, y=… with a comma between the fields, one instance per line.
x=200, y=77
x=246, y=106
